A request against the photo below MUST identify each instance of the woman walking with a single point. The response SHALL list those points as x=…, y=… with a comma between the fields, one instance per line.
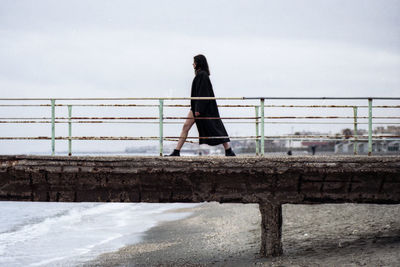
x=199, y=109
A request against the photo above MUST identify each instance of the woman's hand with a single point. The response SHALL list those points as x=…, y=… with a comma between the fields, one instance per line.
x=197, y=114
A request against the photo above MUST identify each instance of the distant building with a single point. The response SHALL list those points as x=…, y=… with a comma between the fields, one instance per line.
x=392, y=130
x=386, y=145
x=319, y=146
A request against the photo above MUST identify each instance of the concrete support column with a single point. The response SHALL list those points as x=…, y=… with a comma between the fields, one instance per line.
x=271, y=229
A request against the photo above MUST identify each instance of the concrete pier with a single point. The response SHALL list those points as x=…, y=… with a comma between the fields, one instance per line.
x=269, y=181
x=271, y=229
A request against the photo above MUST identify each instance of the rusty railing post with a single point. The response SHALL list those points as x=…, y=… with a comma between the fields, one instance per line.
x=257, y=132
x=161, y=122
x=262, y=126
x=355, y=131
x=69, y=130
x=369, y=126
x=53, y=127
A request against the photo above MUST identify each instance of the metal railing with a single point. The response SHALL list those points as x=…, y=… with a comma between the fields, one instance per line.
x=259, y=119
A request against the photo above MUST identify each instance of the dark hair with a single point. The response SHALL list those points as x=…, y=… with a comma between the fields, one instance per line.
x=201, y=64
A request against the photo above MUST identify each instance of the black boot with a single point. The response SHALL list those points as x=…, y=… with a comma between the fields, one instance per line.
x=176, y=153
x=229, y=152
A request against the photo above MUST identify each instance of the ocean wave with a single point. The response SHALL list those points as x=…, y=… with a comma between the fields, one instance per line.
x=49, y=233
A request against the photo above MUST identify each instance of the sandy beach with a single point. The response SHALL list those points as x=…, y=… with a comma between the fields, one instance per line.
x=229, y=235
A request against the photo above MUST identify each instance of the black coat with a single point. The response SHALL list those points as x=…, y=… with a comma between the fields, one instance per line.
x=202, y=87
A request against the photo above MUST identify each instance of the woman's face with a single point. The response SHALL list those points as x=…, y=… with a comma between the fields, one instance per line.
x=194, y=65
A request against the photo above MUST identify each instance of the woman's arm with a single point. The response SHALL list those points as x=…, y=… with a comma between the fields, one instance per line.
x=203, y=89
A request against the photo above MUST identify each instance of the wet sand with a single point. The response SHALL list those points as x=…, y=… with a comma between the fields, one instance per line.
x=229, y=235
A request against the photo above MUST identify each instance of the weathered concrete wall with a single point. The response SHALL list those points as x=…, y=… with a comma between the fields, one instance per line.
x=268, y=181
x=281, y=180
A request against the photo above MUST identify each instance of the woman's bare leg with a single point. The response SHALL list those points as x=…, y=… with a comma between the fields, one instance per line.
x=226, y=145
x=185, y=130
x=228, y=150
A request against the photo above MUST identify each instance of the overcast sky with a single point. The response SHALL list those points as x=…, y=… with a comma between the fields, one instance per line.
x=105, y=48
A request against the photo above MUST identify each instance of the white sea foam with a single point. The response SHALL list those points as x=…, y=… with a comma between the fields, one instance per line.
x=66, y=234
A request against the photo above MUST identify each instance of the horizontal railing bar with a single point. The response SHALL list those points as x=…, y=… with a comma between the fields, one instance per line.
x=203, y=118
x=87, y=122
x=321, y=98
x=81, y=138
x=338, y=123
x=205, y=98
x=339, y=137
x=325, y=106
x=176, y=118
x=286, y=117
x=118, y=105
x=156, y=122
x=185, y=106
x=122, y=98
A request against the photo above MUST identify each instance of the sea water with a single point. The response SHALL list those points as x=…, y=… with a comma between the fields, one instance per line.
x=69, y=234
